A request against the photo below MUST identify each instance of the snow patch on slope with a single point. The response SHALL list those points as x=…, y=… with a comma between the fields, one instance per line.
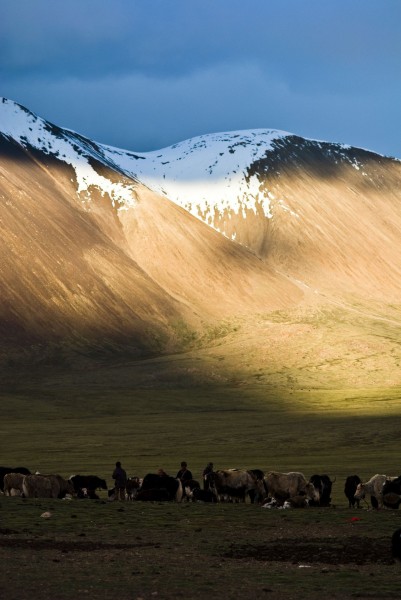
x=31, y=131
x=207, y=175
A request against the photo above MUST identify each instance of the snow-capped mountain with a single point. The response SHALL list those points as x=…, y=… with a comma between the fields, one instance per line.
x=207, y=175
x=92, y=258
x=231, y=181
x=100, y=243
x=21, y=125
x=214, y=176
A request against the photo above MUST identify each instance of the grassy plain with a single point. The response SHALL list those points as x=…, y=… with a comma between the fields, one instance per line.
x=316, y=391
x=87, y=431
x=147, y=550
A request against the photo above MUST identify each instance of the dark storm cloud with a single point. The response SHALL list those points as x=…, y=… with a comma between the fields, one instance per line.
x=146, y=73
x=173, y=37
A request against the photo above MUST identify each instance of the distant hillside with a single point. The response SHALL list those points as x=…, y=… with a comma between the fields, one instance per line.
x=95, y=263
x=106, y=252
x=325, y=214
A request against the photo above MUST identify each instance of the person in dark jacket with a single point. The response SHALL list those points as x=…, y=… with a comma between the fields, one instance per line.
x=184, y=474
x=120, y=478
x=205, y=475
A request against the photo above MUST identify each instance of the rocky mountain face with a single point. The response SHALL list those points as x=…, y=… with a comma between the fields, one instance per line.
x=109, y=251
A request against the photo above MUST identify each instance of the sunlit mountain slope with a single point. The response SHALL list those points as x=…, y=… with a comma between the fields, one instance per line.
x=92, y=261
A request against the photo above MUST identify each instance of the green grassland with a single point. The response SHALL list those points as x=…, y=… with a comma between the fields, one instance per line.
x=147, y=429
x=317, y=391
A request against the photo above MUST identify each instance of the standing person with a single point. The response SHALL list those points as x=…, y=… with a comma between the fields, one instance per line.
x=205, y=475
x=184, y=474
x=120, y=479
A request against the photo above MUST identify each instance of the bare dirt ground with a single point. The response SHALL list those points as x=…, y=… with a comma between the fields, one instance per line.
x=336, y=551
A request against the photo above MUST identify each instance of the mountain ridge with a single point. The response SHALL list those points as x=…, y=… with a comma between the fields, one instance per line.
x=92, y=258
x=101, y=257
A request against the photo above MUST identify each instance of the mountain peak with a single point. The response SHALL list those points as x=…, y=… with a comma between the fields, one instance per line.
x=91, y=252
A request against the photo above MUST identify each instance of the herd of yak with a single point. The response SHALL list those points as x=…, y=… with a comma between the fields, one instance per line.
x=272, y=489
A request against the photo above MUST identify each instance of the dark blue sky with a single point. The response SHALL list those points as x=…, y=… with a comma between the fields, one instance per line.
x=142, y=74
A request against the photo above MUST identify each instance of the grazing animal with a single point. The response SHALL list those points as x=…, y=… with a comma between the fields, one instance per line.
x=373, y=487
x=203, y=495
x=38, y=486
x=270, y=503
x=89, y=494
x=172, y=486
x=256, y=496
x=153, y=495
x=294, y=502
x=65, y=485
x=233, y=485
x=13, y=484
x=6, y=470
x=351, y=483
x=283, y=486
x=391, y=500
x=111, y=494
x=188, y=487
x=396, y=545
x=392, y=493
x=132, y=487
x=323, y=485
x=90, y=482
x=297, y=502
